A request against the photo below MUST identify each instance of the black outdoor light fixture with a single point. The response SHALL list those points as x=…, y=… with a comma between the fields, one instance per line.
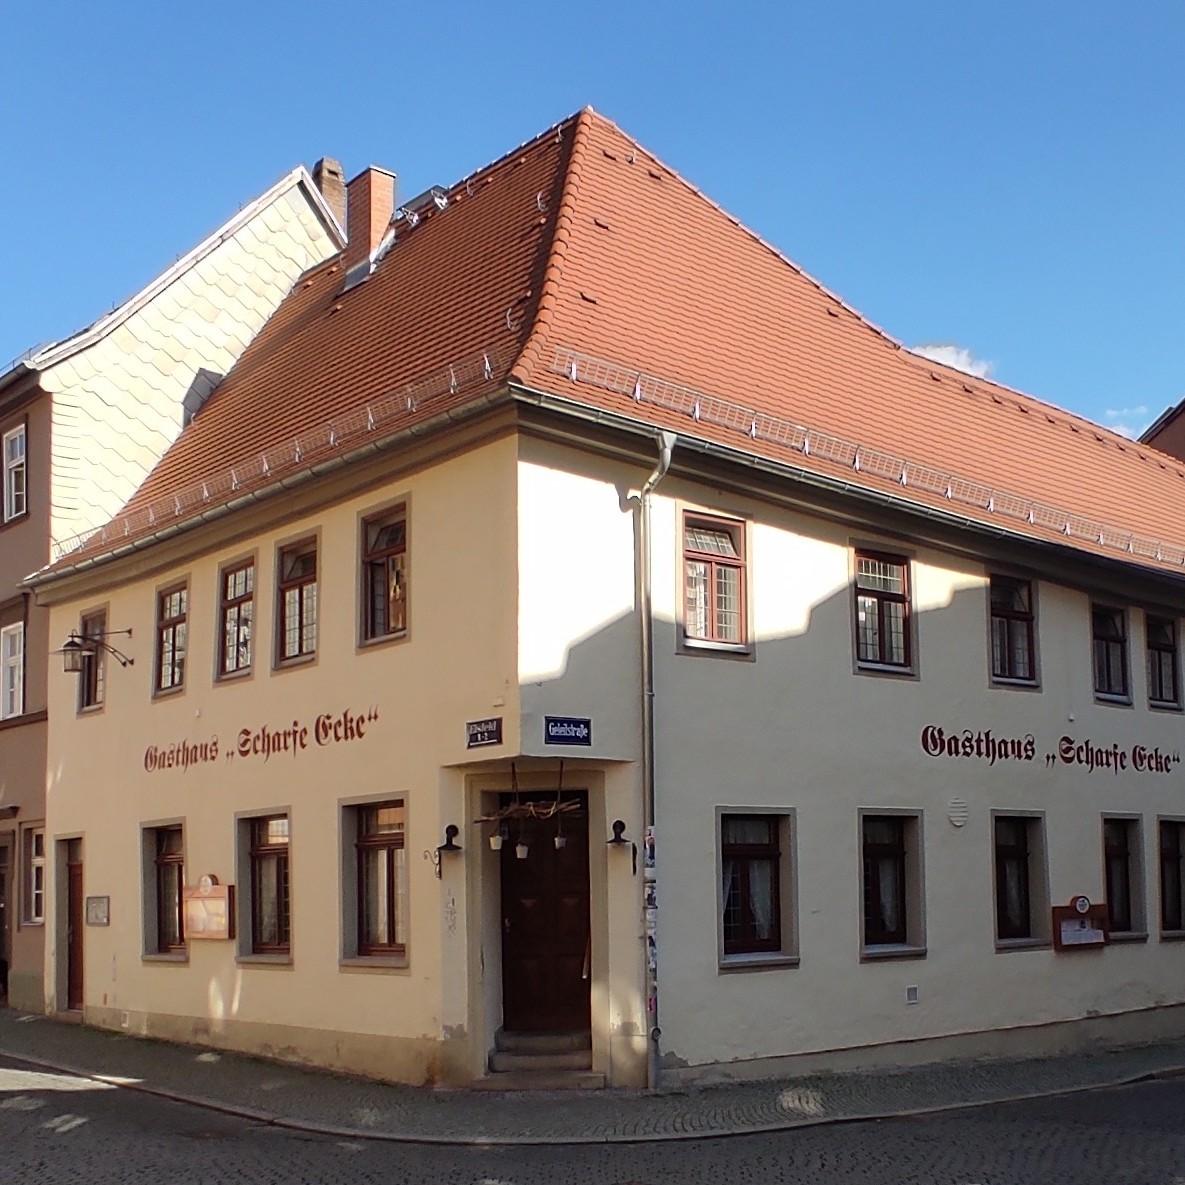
x=619, y=840
x=450, y=845
x=77, y=646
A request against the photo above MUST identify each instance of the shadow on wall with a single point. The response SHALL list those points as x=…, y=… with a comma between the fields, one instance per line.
x=796, y=686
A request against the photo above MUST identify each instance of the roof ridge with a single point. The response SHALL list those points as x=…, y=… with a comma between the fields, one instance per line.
x=556, y=128
x=522, y=366
x=750, y=232
x=1127, y=442
x=910, y=353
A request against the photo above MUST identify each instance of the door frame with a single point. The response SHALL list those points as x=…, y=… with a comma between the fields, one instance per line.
x=59, y=884
x=484, y=904
x=507, y=866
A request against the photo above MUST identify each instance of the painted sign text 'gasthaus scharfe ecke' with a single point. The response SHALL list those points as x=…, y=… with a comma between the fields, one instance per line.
x=265, y=741
x=984, y=745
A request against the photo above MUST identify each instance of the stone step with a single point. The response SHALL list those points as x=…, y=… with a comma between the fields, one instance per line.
x=506, y=1063
x=510, y=1042
x=542, y=1080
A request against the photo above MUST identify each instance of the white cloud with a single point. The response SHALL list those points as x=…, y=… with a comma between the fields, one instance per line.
x=1122, y=419
x=959, y=357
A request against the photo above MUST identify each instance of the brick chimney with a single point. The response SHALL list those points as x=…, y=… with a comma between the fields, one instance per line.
x=331, y=181
x=370, y=201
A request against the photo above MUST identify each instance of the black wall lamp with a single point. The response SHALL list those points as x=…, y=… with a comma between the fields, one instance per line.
x=619, y=840
x=450, y=845
x=77, y=646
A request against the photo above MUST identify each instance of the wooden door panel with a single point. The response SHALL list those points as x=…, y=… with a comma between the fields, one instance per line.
x=74, y=933
x=545, y=927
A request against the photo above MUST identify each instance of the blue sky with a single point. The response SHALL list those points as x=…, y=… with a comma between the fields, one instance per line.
x=1004, y=178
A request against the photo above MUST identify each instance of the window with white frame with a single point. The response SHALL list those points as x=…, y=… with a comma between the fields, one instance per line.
x=714, y=580
x=12, y=671
x=34, y=878
x=16, y=496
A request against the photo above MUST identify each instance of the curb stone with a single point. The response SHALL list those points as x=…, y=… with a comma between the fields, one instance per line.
x=272, y=1119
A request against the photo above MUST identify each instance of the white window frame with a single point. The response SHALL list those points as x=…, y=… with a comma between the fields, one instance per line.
x=33, y=865
x=12, y=671
x=11, y=468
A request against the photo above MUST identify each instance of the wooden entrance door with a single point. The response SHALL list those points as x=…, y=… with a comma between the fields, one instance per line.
x=545, y=928
x=74, y=926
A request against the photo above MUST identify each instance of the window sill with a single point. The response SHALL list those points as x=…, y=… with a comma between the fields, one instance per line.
x=162, y=693
x=380, y=963
x=1112, y=701
x=874, y=954
x=264, y=960
x=1007, y=944
x=23, y=719
x=756, y=961
x=177, y=958
x=720, y=649
x=381, y=640
x=238, y=676
x=90, y=709
x=13, y=519
x=1161, y=705
x=1172, y=936
x=294, y=664
x=1015, y=684
x=884, y=668
x=1127, y=936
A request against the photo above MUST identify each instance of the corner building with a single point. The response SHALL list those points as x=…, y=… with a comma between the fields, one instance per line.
x=555, y=478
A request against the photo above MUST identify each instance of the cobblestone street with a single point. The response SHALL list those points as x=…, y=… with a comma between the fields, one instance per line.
x=57, y=1129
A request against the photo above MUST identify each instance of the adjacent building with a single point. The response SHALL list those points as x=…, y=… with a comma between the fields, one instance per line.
x=572, y=645
x=82, y=423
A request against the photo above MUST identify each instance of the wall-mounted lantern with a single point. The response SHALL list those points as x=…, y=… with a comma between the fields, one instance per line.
x=449, y=846
x=619, y=840
x=77, y=646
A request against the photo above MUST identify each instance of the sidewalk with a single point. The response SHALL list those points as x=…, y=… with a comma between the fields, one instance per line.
x=332, y=1104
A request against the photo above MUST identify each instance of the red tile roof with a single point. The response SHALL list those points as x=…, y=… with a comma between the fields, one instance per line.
x=582, y=266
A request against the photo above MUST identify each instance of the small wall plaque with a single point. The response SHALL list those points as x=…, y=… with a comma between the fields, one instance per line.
x=98, y=911
x=1080, y=925
x=209, y=909
x=483, y=732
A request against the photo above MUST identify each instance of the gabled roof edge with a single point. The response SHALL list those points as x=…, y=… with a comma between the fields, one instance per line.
x=549, y=290
x=1162, y=421
x=59, y=351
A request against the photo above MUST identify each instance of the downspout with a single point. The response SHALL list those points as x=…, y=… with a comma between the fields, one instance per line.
x=666, y=446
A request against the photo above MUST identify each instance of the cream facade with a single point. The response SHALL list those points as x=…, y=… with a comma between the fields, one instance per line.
x=357, y=723
x=522, y=601
x=789, y=726
x=91, y=416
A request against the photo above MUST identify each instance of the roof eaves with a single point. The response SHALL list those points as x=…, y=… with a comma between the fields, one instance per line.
x=834, y=485
x=64, y=567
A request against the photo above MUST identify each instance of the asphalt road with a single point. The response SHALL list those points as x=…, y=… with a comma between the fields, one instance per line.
x=56, y=1129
